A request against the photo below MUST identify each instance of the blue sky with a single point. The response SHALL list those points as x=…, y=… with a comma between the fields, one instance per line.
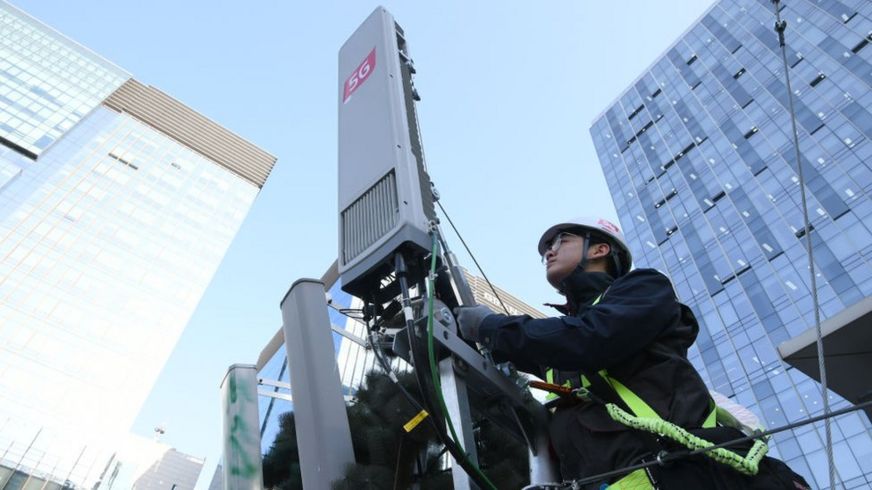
x=509, y=90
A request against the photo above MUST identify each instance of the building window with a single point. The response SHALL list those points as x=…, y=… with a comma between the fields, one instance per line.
x=668, y=197
x=862, y=44
x=633, y=114
x=122, y=160
x=801, y=232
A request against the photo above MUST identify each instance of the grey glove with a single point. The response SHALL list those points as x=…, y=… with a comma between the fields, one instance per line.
x=469, y=318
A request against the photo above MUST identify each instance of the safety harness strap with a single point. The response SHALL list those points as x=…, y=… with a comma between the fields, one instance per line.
x=636, y=405
x=549, y=372
x=637, y=480
x=711, y=420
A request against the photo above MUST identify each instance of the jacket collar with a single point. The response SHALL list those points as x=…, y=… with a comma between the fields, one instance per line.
x=582, y=288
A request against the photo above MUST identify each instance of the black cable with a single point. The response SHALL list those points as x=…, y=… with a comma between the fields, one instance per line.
x=424, y=387
x=432, y=420
x=386, y=366
x=381, y=357
x=667, y=457
x=473, y=258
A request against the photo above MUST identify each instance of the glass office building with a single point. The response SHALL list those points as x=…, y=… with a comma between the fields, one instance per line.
x=117, y=204
x=698, y=156
x=47, y=83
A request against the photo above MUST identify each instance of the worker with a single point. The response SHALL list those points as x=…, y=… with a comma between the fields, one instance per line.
x=622, y=338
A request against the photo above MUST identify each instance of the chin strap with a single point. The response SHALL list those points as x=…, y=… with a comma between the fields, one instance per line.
x=616, y=258
x=582, y=265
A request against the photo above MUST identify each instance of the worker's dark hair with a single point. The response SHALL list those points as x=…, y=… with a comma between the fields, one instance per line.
x=611, y=267
x=595, y=239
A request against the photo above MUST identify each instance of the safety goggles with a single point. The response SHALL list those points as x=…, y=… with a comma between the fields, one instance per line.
x=554, y=245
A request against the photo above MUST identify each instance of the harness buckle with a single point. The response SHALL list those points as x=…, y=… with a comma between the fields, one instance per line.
x=583, y=394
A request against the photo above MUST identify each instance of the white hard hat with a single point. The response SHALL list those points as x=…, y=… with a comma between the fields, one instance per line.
x=597, y=227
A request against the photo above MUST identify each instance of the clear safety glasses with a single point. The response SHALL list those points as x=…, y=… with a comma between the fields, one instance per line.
x=555, y=244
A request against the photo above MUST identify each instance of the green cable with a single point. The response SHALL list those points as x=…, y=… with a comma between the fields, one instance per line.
x=434, y=370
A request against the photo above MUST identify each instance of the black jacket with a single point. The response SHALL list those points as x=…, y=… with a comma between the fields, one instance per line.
x=640, y=333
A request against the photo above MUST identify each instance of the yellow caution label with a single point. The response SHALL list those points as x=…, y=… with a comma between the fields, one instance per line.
x=411, y=424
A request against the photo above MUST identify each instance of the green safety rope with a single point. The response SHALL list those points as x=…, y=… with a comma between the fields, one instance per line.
x=748, y=465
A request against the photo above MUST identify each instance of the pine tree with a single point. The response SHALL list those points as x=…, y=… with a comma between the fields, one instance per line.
x=281, y=464
x=388, y=457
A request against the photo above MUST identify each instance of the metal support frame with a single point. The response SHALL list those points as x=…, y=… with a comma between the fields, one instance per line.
x=272, y=382
x=457, y=403
x=483, y=374
x=466, y=374
x=278, y=396
x=350, y=336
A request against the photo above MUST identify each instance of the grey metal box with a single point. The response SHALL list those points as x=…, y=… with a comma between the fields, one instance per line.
x=385, y=202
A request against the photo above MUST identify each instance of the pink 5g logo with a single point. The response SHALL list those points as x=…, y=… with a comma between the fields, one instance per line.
x=359, y=76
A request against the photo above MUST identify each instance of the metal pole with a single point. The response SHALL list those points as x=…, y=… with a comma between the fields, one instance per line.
x=323, y=433
x=460, y=282
x=543, y=467
x=457, y=403
x=243, y=469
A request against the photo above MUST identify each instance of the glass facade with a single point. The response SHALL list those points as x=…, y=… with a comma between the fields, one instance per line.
x=699, y=159
x=106, y=246
x=47, y=83
x=110, y=231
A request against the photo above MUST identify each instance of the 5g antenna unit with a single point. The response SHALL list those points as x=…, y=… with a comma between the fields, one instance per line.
x=385, y=201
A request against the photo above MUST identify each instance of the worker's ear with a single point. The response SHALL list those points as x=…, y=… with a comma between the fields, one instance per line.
x=599, y=250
